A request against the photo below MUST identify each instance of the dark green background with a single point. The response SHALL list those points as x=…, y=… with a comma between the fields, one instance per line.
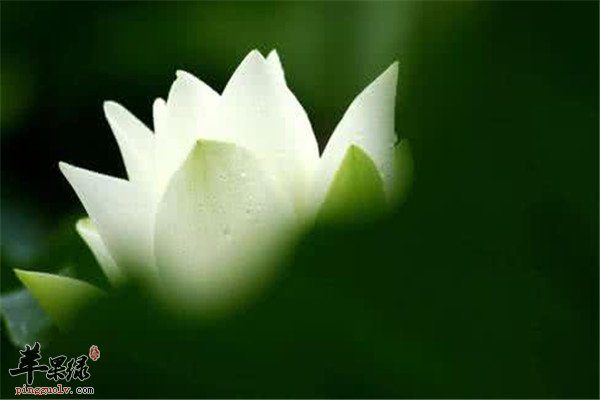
x=483, y=284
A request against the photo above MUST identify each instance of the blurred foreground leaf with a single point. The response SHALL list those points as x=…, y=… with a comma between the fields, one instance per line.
x=61, y=297
x=24, y=320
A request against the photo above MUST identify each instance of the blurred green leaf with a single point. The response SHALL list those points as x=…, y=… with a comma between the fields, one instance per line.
x=24, y=320
x=61, y=297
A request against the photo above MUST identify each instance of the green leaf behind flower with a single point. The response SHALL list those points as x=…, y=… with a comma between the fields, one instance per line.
x=24, y=320
x=61, y=297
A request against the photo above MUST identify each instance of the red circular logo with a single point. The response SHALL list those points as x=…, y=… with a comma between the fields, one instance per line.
x=94, y=352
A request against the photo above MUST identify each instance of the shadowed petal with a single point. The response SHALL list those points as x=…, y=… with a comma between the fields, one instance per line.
x=123, y=214
x=92, y=238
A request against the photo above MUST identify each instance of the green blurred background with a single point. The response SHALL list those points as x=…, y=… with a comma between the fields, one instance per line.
x=483, y=284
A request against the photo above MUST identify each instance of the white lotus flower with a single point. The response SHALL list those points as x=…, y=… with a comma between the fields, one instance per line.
x=226, y=182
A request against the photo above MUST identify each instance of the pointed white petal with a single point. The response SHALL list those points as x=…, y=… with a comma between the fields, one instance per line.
x=191, y=104
x=123, y=214
x=369, y=124
x=92, y=238
x=135, y=141
x=61, y=297
x=261, y=114
x=189, y=114
x=159, y=115
x=220, y=220
x=275, y=64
